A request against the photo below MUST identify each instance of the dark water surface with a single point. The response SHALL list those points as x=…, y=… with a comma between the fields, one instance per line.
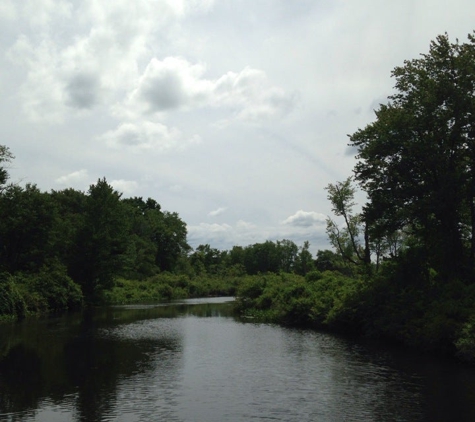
x=194, y=362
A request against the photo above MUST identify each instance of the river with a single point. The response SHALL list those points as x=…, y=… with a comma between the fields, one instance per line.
x=194, y=361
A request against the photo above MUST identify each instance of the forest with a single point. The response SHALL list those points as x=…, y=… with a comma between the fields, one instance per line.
x=66, y=249
x=402, y=266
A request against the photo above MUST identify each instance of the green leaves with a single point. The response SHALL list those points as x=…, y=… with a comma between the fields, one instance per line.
x=5, y=157
x=347, y=240
x=416, y=162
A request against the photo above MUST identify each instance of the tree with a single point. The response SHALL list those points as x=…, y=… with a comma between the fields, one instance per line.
x=417, y=160
x=328, y=261
x=28, y=219
x=71, y=208
x=5, y=157
x=101, y=242
x=208, y=260
x=304, y=261
x=158, y=238
x=347, y=241
x=171, y=240
x=287, y=251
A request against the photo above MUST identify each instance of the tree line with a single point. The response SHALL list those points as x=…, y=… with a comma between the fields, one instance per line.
x=89, y=238
x=69, y=245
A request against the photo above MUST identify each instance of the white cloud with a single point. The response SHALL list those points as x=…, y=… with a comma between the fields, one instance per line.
x=209, y=233
x=170, y=84
x=42, y=92
x=100, y=65
x=245, y=226
x=8, y=10
x=225, y=236
x=305, y=219
x=174, y=83
x=217, y=212
x=176, y=188
x=251, y=95
x=96, y=64
x=146, y=135
x=43, y=12
x=75, y=178
x=126, y=187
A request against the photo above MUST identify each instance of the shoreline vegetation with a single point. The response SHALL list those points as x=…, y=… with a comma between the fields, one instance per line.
x=402, y=269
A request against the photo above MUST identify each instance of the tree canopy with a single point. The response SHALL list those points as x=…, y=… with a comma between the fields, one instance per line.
x=416, y=162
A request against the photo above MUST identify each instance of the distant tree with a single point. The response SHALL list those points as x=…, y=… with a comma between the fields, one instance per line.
x=304, y=260
x=208, y=260
x=287, y=251
x=236, y=255
x=262, y=258
x=326, y=260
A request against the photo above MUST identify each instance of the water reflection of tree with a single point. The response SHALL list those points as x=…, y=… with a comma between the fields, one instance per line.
x=96, y=364
x=82, y=364
x=20, y=379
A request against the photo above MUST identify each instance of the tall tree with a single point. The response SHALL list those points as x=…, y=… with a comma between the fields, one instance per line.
x=101, y=242
x=417, y=160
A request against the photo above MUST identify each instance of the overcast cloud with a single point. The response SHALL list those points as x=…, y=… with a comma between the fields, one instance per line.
x=233, y=113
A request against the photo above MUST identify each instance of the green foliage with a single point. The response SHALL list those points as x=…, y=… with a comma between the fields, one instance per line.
x=416, y=162
x=465, y=343
x=157, y=242
x=322, y=299
x=5, y=157
x=347, y=240
x=207, y=260
x=167, y=286
x=12, y=303
x=303, y=262
x=27, y=222
x=48, y=290
x=427, y=315
x=101, y=242
x=56, y=288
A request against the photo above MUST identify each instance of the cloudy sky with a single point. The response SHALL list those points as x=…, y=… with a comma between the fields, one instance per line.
x=233, y=113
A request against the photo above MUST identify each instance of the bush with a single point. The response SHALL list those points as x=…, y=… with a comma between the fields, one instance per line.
x=54, y=285
x=12, y=303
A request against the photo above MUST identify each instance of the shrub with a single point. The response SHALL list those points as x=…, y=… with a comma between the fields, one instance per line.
x=12, y=303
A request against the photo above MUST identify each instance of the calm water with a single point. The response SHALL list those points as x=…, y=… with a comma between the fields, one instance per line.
x=194, y=362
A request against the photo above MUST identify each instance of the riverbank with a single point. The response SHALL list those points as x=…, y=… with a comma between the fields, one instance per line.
x=24, y=295
x=164, y=287
x=434, y=318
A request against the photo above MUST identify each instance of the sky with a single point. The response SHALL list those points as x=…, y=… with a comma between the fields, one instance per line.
x=233, y=113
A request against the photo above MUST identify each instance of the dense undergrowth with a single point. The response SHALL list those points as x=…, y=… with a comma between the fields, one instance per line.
x=432, y=317
x=428, y=315
x=23, y=295
x=165, y=286
x=50, y=290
